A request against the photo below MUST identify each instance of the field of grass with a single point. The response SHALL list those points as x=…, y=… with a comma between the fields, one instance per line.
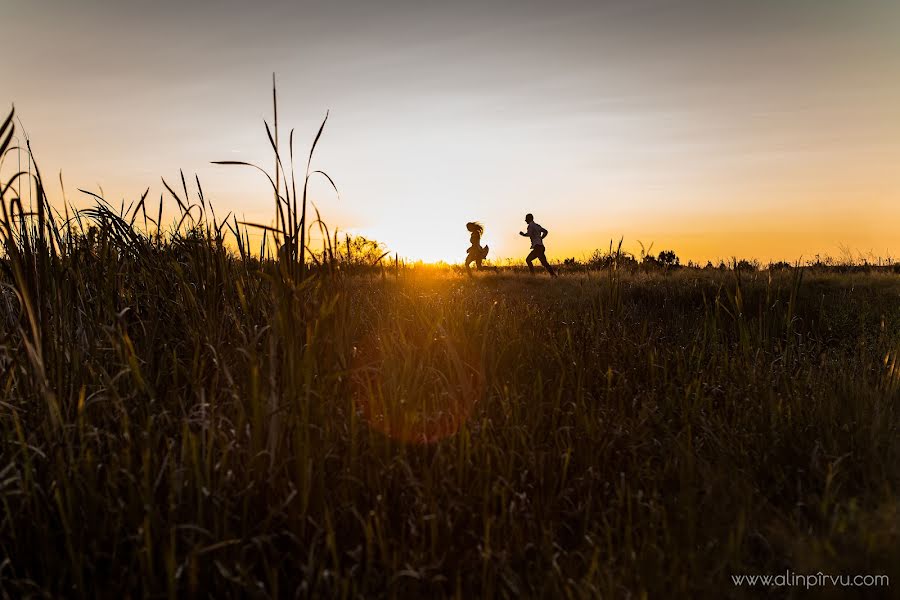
x=179, y=419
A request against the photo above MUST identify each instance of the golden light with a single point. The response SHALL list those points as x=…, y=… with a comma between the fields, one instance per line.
x=435, y=242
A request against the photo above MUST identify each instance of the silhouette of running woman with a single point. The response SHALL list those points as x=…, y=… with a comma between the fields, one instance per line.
x=475, y=252
x=537, y=235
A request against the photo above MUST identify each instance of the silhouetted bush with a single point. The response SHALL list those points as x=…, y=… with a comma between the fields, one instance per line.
x=668, y=258
x=650, y=262
x=604, y=260
x=746, y=265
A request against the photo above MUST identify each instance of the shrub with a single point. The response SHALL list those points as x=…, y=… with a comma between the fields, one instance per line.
x=668, y=258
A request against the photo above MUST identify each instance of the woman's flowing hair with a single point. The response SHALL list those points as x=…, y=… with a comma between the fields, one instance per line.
x=475, y=227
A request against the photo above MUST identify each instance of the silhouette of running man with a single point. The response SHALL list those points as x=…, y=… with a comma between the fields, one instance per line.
x=537, y=235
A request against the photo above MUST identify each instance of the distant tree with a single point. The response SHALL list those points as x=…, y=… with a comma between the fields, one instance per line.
x=779, y=266
x=821, y=261
x=746, y=265
x=650, y=262
x=668, y=258
x=626, y=261
x=603, y=260
x=596, y=260
x=353, y=251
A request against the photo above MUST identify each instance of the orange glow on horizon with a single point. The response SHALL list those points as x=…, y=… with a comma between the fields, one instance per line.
x=755, y=130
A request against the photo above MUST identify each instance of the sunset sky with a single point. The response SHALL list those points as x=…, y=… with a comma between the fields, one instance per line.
x=764, y=129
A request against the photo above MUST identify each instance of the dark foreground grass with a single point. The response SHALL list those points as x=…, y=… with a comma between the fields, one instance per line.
x=179, y=421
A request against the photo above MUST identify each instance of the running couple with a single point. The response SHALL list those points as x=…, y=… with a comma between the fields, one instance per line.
x=476, y=253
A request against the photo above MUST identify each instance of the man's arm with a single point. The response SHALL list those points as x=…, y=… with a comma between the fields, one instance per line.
x=523, y=234
x=544, y=233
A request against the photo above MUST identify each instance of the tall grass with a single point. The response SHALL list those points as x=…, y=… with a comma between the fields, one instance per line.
x=181, y=419
x=290, y=229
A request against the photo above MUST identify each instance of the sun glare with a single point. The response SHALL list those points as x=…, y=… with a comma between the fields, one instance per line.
x=435, y=244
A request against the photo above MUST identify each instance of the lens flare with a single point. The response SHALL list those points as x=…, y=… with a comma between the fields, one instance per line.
x=408, y=401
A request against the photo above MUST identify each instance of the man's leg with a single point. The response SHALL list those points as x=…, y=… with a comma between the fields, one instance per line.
x=530, y=258
x=543, y=258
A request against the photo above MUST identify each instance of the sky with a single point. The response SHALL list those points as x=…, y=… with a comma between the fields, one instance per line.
x=763, y=129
